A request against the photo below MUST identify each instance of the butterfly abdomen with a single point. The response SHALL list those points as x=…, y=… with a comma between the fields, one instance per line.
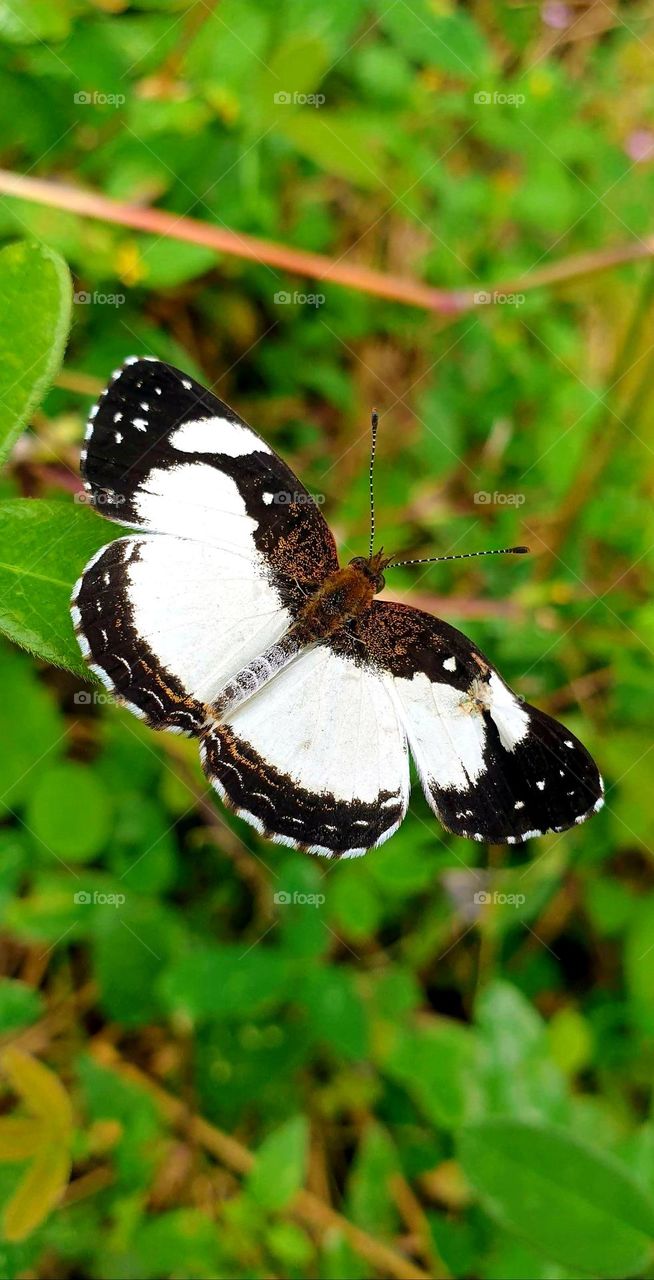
x=341, y=597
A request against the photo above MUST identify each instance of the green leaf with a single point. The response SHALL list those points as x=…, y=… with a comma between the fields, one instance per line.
x=344, y=145
x=20, y=1004
x=577, y=1205
x=370, y=1200
x=30, y=21
x=43, y=548
x=35, y=308
x=281, y=1164
x=40, y=1189
x=218, y=982
x=69, y=811
x=31, y=730
x=438, y=1066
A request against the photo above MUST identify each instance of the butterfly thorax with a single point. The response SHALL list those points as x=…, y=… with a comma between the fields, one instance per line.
x=342, y=596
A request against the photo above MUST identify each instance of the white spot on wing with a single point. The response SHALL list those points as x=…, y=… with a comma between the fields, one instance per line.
x=450, y=664
x=217, y=435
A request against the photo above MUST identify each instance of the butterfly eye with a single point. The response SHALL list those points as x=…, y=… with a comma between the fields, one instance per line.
x=380, y=583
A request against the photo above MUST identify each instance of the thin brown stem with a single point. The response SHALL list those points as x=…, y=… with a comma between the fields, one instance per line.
x=446, y=302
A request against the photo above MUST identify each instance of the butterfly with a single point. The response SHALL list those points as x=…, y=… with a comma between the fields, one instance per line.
x=227, y=616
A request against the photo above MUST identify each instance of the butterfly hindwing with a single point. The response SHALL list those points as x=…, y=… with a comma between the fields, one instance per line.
x=492, y=767
x=316, y=759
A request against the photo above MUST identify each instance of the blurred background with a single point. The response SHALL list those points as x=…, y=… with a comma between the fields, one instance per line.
x=419, y=1063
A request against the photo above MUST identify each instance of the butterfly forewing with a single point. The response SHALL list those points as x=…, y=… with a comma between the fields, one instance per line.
x=229, y=544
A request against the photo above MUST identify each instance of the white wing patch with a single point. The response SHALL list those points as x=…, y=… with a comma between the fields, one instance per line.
x=202, y=611
x=330, y=726
x=445, y=730
x=317, y=759
x=198, y=502
x=217, y=435
x=506, y=710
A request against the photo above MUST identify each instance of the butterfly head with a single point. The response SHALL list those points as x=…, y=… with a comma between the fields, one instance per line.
x=372, y=568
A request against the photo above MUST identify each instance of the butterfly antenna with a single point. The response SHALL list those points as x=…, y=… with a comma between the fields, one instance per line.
x=374, y=423
x=466, y=555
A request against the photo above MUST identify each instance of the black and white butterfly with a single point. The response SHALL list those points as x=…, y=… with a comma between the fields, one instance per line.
x=226, y=616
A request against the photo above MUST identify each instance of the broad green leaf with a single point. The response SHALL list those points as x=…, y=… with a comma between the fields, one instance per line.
x=32, y=733
x=20, y=1004
x=133, y=942
x=281, y=1164
x=69, y=811
x=576, y=1204
x=35, y=306
x=40, y=1189
x=43, y=548
x=438, y=1065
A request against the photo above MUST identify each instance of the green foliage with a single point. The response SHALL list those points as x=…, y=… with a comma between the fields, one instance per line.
x=577, y=1207
x=468, y=1081
x=35, y=299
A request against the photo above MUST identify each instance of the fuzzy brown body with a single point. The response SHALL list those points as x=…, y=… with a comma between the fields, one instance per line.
x=341, y=597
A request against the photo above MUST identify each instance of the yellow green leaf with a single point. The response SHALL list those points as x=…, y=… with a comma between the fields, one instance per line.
x=39, y=1087
x=20, y=1137
x=37, y=1193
